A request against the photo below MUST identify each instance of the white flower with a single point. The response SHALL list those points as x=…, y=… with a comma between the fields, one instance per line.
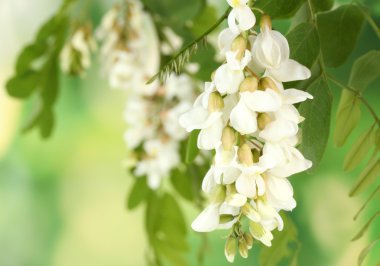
x=279, y=130
x=271, y=50
x=210, y=122
x=228, y=80
x=171, y=123
x=251, y=183
x=287, y=159
x=244, y=115
x=225, y=40
x=241, y=18
x=161, y=158
x=180, y=87
x=279, y=193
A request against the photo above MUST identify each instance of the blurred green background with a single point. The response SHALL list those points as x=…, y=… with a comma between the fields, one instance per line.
x=62, y=201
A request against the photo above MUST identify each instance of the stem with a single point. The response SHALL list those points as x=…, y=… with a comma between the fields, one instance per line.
x=359, y=96
x=192, y=44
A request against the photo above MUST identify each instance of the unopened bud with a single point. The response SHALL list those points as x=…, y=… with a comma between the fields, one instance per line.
x=215, y=102
x=250, y=212
x=268, y=83
x=245, y=154
x=239, y=45
x=228, y=138
x=248, y=239
x=263, y=120
x=230, y=249
x=243, y=247
x=265, y=21
x=249, y=84
x=226, y=218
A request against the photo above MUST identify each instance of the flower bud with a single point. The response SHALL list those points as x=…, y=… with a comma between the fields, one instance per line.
x=249, y=84
x=243, y=247
x=230, y=249
x=226, y=218
x=215, y=102
x=248, y=239
x=265, y=21
x=263, y=120
x=245, y=154
x=268, y=83
x=228, y=138
x=239, y=45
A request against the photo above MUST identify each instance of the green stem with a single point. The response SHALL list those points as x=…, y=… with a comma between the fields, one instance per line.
x=188, y=46
x=369, y=19
x=359, y=96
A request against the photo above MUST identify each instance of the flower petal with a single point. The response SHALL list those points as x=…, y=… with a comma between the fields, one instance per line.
x=278, y=130
x=194, y=118
x=290, y=70
x=292, y=96
x=209, y=138
x=228, y=80
x=207, y=220
x=262, y=101
x=246, y=186
x=242, y=119
x=225, y=39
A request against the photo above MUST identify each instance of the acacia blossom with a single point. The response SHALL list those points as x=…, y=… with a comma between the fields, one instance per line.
x=153, y=134
x=247, y=117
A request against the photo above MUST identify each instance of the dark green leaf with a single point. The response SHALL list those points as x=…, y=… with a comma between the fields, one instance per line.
x=304, y=44
x=322, y=5
x=365, y=70
x=192, y=148
x=29, y=55
x=338, y=32
x=366, y=226
x=366, y=203
x=347, y=117
x=359, y=150
x=204, y=20
x=138, y=193
x=183, y=183
x=279, y=8
x=316, y=127
x=23, y=85
x=365, y=251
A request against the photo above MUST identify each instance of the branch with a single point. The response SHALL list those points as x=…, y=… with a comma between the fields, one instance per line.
x=183, y=56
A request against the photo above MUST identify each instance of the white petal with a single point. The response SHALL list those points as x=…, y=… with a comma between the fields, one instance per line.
x=242, y=119
x=230, y=174
x=278, y=130
x=262, y=101
x=246, y=186
x=227, y=80
x=236, y=200
x=210, y=138
x=290, y=113
x=290, y=70
x=208, y=183
x=245, y=18
x=207, y=220
x=225, y=39
x=194, y=119
x=236, y=64
x=280, y=193
x=292, y=96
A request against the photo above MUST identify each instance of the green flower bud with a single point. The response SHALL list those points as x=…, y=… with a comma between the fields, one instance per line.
x=268, y=83
x=215, y=102
x=226, y=218
x=245, y=154
x=228, y=138
x=243, y=247
x=249, y=240
x=230, y=249
x=249, y=84
x=239, y=45
x=263, y=120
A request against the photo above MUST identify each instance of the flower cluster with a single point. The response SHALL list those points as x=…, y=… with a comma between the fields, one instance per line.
x=75, y=57
x=247, y=117
x=131, y=54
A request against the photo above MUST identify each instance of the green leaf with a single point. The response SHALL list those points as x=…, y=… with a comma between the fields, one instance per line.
x=281, y=248
x=365, y=70
x=347, y=117
x=191, y=148
x=366, y=226
x=367, y=177
x=23, y=85
x=316, y=127
x=359, y=150
x=366, y=251
x=29, y=55
x=204, y=20
x=338, y=32
x=279, y=8
x=138, y=193
x=366, y=203
x=183, y=183
x=304, y=44
x=322, y=5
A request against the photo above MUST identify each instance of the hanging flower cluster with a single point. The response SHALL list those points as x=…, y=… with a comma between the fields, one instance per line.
x=247, y=117
x=75, y=57
x=152, y=111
